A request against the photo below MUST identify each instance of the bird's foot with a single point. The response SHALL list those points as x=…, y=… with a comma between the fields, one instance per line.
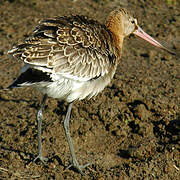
x=42, y=159
x=78, y=167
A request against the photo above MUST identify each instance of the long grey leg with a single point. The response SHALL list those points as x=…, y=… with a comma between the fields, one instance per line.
x=39, y=120
x=67, y=132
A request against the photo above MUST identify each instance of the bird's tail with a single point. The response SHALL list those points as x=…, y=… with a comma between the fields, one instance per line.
x=14, y=84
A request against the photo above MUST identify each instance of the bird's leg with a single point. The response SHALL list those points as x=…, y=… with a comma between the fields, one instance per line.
x=67, y=132
x=39, y=120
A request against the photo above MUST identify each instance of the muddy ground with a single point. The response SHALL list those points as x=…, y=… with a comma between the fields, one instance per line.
x=129, y=131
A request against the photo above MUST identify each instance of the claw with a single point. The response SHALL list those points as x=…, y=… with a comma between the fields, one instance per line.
x=42, y=159
x=78, y=167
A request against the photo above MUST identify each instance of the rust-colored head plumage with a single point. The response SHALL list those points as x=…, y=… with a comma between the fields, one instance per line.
x=121, y=23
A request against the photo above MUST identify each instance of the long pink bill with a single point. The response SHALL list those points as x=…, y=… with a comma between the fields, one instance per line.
x=139, y=32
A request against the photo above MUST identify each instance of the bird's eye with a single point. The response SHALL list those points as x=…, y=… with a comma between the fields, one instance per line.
x=133, y=21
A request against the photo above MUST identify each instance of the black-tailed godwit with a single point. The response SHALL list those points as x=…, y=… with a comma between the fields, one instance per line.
x=72, y=58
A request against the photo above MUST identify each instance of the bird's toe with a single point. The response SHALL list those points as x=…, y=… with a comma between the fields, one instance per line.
x=42, y=159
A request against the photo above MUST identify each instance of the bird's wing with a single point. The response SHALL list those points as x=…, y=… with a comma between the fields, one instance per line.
x=68, y=46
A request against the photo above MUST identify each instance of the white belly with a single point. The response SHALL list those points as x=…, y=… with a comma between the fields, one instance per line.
x=70, y=90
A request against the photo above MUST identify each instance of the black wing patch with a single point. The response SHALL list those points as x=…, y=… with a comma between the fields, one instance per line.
x=31, y=76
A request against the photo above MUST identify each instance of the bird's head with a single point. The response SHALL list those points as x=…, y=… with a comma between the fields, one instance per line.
x=122, y=24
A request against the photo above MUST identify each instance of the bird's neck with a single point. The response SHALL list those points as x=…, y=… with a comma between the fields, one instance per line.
x=116, y=29
x=118, y=42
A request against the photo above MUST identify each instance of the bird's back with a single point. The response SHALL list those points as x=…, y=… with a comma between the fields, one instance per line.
x=73, y=51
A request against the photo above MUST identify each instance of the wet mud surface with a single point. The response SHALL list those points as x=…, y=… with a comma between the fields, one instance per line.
x=129, y=131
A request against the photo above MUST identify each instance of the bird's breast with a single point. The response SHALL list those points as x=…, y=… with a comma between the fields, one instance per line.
x=70, y=90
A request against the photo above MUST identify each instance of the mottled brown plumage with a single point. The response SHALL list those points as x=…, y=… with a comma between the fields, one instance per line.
x=71, y=58
x=76, y=48
x=75, y=44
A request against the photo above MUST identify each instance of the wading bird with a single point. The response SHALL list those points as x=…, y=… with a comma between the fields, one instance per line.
x=72, y=58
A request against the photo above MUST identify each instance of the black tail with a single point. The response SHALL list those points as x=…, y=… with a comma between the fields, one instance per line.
x=30, y=76
x=15, y=84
